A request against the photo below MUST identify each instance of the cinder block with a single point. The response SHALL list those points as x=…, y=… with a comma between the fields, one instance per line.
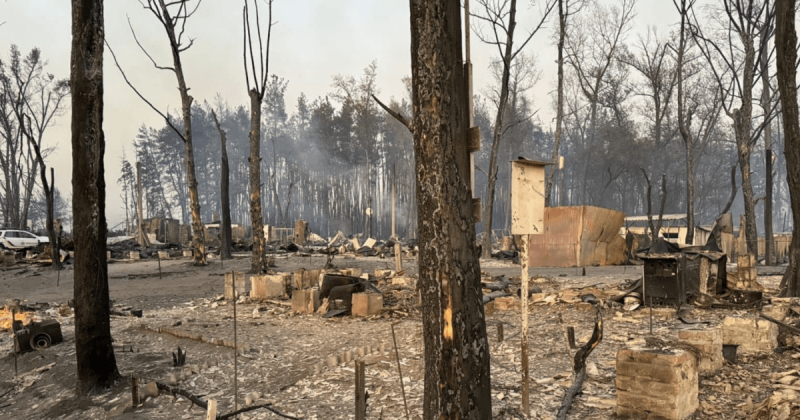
x=355, y=272
x=366, y=304
x=305, y=301
x=709, y=342
x=134, y=255
x=750, y=334
x=269, y=286
x=164, y=255
x=656, y=384
x=187, y=254
x=234, y=280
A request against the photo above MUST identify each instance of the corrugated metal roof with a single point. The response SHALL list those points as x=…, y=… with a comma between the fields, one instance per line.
x=655, y=217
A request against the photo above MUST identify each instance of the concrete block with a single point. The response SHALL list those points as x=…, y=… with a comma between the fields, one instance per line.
x=746, y=261
x=489, y=308
x=234, y=281
x=367, y=304
x=709, y=342
x=656, y=384
x=302, y=279
x=269, y=286
x=305, y=301
x=134, y=255
x=752, y=335
x=164, y=255
x=355, y=272
x=506, y=303
x=187, y=254
x=401, y=281
x=775, y=311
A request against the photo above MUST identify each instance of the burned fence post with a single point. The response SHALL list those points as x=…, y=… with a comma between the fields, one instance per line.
x=361, y=397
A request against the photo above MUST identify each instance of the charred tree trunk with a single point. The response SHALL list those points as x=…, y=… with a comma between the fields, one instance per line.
x=224, y=193
x=457, y=381
x=48, y=189
x=497, y=132
x=258, y=261
x=765, y=105
x=786, y=49
x=562, y=33
x=198, y=230
x=742, y=126
x=97, y=366
x=685, y=124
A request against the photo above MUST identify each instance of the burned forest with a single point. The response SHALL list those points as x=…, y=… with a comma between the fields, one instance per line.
x=433, y=209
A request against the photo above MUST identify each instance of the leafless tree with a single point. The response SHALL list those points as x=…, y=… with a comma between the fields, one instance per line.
x=732, y=62
x=258, y=261
x=457, y=377
x=766, y=105
x=501, y=17
x=592, y=45
x=173, y=16
x=786, y=54
x=566, y=8
x=97, y=366
x=30, y=99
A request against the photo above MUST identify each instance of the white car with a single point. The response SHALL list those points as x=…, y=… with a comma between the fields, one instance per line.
x=19, y=239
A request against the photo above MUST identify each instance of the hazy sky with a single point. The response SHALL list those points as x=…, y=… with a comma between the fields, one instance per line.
x=312, y=41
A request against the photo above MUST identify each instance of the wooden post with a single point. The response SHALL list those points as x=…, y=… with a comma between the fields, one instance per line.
x=141, y=237
x=361, y=397
x=14, y=340
x=211, y=413
x=571, y=337
x=394, y=181
x=523, y=259
x=235, y=349
x=398, y=258
x=500, y=333
x=158, y=254
x=399, y=371
x=135, y=390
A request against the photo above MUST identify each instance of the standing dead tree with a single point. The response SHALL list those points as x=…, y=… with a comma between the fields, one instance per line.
x=592, y=47
x=786, y=55
x=258, y=261
x=29, y=101
x=457, y=377
x=766, y=103
x=501, y=17
x=224, y=193
x=97, y=366
x=49, y=189
x=564, y=13
x=735, y=72
x=173, y=16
